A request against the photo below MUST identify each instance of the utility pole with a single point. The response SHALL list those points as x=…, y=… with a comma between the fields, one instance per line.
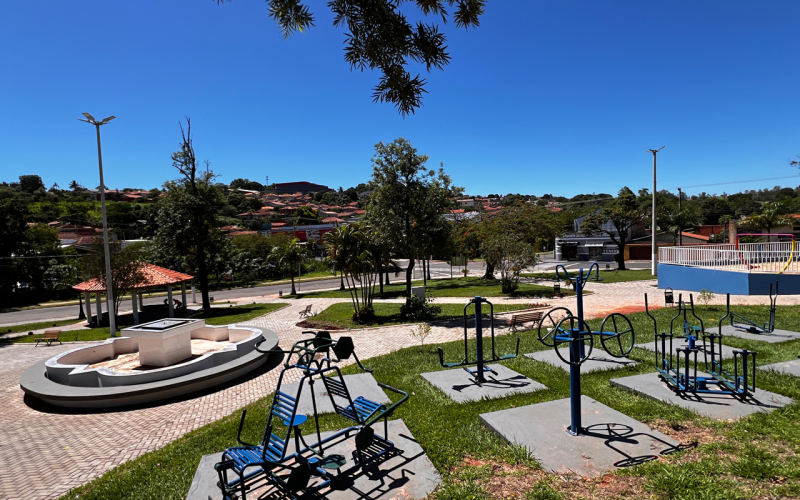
x=112, y=320
x=653, y=221
x=680, y=230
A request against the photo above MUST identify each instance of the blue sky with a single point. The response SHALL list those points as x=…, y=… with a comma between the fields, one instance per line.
x=547, y=96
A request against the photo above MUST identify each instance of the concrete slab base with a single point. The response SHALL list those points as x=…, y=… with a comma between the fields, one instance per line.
x=774, y=337
x=719, y=406
x=462, y=388
x=612, y=439
x=727, y=351
x=786, y=367
x=598, y=361
x=405, y=473
x=361, y=384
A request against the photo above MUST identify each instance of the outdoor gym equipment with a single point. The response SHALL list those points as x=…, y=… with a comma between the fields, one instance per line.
x=480, y=362
x=616, y=336
x=251, y=461
x=680, y=372
x=749, y=325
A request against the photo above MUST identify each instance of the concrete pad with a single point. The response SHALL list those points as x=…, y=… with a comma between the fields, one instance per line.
x=727, y=351
x=405, y=473
x=774, y=337
x=786, y=367
x=360, y=384
x=612, y=440
x=719, y=406
x=598, y=361
x=462, y=388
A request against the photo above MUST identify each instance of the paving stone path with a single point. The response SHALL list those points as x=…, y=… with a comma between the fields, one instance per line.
x=43, y=454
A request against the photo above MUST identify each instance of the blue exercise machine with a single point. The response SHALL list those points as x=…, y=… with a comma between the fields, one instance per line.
x=616, y=336
x=480, y=362
x=680, y=372
x=251, y=462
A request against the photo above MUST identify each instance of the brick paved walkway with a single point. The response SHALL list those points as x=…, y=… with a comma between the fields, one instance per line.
x=75, y=448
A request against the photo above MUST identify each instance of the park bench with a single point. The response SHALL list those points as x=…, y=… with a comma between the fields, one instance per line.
x=530, y=317
x=306, y=313
x=49, y=337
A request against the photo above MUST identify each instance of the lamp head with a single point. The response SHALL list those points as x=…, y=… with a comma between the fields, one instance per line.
x=106, y=120
x=89, y=117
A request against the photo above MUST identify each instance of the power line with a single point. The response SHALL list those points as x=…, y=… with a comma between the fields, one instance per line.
x=736, y=182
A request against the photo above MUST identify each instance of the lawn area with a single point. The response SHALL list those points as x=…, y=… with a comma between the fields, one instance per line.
x=35, y=326
x=217, y=316
x=449, y=287
x=340, y=315
x=614, y=276
x=756, y=457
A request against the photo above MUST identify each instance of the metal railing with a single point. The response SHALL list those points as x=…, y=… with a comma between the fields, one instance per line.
x=750, y=257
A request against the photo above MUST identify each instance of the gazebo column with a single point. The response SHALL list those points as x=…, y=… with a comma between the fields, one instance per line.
x=99, y=305
x=169, y=302
x=88, y=306
x=194, y=295
x=141, y=302
x=183, y=294
x=134, y=296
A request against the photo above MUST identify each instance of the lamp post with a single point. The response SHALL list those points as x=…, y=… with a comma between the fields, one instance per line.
x=653, y=222
x=112, y=323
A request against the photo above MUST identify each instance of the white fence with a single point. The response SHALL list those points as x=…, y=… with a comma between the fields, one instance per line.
x=750, y=257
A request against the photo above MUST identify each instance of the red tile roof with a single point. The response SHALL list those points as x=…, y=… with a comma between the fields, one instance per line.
x=154, y=276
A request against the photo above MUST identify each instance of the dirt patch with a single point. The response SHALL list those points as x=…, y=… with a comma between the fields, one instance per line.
x=686, y=432
x=317, y=326
x=608, y=487
x=621, y=310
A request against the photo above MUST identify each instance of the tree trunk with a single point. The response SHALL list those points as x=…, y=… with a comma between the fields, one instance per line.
x=424, y=275
x=621, y=257
x=380, y=278
x=489, y=275
x=291, y=273
x=341, y=281
x=387, y=275
x=202, y=269
x=409, y=271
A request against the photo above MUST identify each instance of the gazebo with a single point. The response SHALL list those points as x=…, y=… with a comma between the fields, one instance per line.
x=154, y=277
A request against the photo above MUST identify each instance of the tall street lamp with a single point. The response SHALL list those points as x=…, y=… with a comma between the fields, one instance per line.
x=653, y=222
x=112, y=323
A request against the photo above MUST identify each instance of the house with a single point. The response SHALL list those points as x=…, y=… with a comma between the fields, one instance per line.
x=466, y=202
x=597, y=247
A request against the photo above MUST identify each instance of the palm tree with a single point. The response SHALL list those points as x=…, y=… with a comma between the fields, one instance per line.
x=290, y=253
x=769, y=217
x=334, y=244
x=678, y=220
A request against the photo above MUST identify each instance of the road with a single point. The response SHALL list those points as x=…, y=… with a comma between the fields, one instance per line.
x=438, y=270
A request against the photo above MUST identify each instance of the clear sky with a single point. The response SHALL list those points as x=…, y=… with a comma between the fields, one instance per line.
x=546, y=96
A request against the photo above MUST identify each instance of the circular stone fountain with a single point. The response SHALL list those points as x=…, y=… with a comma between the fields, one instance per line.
x=148, y=363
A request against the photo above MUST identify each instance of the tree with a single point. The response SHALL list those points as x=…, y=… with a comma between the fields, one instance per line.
x=188, y=230
x=291, y=254
x=247, y=184
x=624, y=213
x=770, y=216
x=30, y=183
x=511, y=256
x=409, y=201
x=679, y=220
x=355, y=256
x=75, y=186
x=126, y=268
x=380, y=36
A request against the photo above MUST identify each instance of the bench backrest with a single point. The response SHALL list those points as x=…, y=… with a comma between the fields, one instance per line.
x=51, y=334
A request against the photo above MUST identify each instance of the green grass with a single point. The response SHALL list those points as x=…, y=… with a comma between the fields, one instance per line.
x=449, y=287
x=614, y=276
x=216, y=316
x=340, y=315
x=35, y=326
x=236, y=314
x=754, y=457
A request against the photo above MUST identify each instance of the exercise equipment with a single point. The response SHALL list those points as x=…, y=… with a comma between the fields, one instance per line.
x=750, y=326
x=250, y=462
x=680, y=372
x=481, y=364
x=616, y=336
